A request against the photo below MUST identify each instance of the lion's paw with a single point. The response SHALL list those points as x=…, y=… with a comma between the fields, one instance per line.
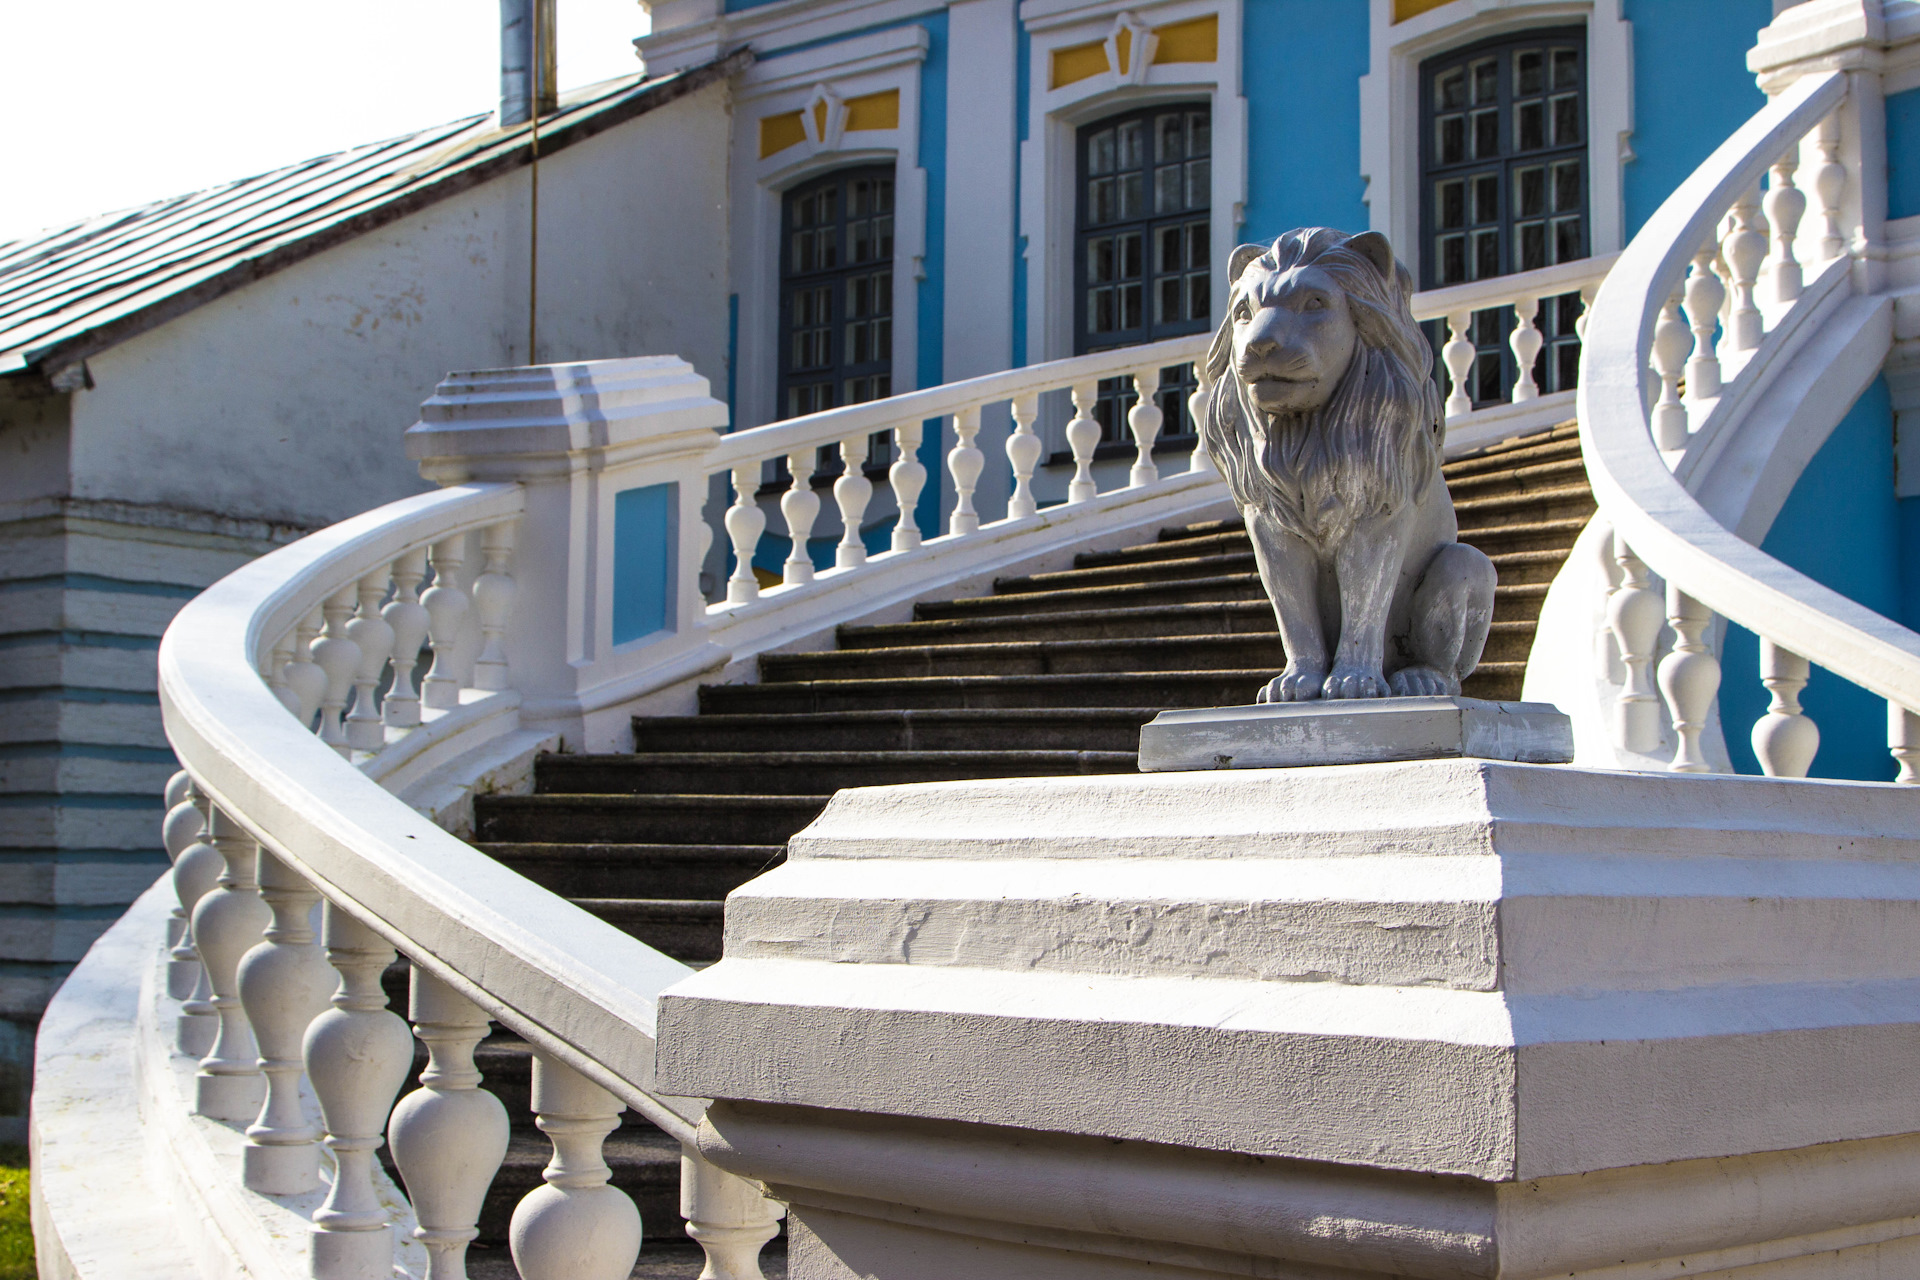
x=1295, y=684
x=1354, y=682
x=1418, y=681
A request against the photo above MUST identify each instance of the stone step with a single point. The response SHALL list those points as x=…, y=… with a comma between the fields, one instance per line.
x=1562, y=442
x=688, y=929
x=1236, y=617
x=1553, y=473
x=657, y=870
x=1160, y=570
x=606, y=819
x=805, y=772
x=1212, y=590
x=1031, y=657
x=1518, y=567
x=1558, y=503
x=1155, y=688
x=1496, y=681
x=937, y=729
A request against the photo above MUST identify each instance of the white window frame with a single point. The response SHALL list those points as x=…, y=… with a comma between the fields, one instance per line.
x=841, y=70
x=1049, y=157
x=1390, y=107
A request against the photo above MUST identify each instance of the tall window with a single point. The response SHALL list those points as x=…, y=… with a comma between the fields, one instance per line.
x=836, y=291
x=1143, y=247
x=1503, y=168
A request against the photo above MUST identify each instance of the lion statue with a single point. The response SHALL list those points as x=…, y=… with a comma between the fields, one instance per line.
x=1326, y=423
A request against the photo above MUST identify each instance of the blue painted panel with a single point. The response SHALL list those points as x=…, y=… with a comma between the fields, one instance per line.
x=643, y=554
x=932, y=292
x=735, y=6
x=1903, y=154
x=1691, y=89
x=1842, y=527
x=1303, y=60
x=1022, y=88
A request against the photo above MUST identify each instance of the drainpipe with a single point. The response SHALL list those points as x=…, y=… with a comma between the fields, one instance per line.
x=521, y=56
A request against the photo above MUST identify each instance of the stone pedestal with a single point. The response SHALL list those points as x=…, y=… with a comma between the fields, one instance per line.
x=1443, y=1018
x=1289, y=734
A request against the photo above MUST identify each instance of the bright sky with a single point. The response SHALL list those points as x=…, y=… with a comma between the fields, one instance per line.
x=113, y=103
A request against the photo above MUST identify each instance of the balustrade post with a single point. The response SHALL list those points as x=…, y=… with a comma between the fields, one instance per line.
x=1785, y=205
x=446, y=605
x=1704, y=295
x=409, y=620
x=745, y=523
x=1669, y=358
x=1144, y=420
x=373, y=634
x=178, y=831
x=1525, y=342
x=799, y=507
x=284, y=983
x=728, y=1215
x=339, y=658
x=851, y=493
x=1903, y=740
x=448, y=1136
x=1457, y=354
x=1785, y=739
x=357, y=1055
x=1198, y=405
x=493, y=595
x=227, y=922
x=575, y=1226
x=195, y=872
x=1083, y=437
x=1023, y=455
x=1689, y=679
x=1634, y=613
x=1606, y=645
x=964, y=462
x=305, y=679
x=908, y=476
x=279, y=658
x=1829, y=185
x=1745, y=247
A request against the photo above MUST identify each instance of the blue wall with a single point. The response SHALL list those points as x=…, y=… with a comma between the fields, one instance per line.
x=1903, y=154
x=643, y=551
x=1841, y=526
x=1302, y=65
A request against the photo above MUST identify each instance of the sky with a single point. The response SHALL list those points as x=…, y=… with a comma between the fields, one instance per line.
x=115, y=103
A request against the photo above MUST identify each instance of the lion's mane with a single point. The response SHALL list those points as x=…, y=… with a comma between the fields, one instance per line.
x=1373, y=447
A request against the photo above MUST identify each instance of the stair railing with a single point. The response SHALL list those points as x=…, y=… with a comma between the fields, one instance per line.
x=1687, y=338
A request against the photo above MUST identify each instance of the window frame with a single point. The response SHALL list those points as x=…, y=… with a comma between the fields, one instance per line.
x=838, y=278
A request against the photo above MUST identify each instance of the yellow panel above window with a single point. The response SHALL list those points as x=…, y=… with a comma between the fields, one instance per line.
x=777, y=133
x=874, y=111
x=1404, y=9
x=1195, y=40
x=1077, y=63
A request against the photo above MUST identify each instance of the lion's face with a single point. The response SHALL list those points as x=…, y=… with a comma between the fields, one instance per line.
x=1293, y=337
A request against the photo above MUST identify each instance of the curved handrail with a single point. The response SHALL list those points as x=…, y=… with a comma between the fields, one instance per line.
x=1664, y=524
x=507, y=945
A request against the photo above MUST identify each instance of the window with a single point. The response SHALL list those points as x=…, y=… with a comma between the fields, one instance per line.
x=1503, y=187
x=1143, y=247
x=836, y=291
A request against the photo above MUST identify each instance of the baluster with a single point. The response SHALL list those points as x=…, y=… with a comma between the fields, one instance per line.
x=195, y=872
x=1829, y=184
x=965, y=462
x=800, y=507
x=1785, y=205
x=339, y=657
x=1689, y=678
x=1587, y=293
x=493, y=595
x=277, y=661
x=575, y=1226
x=908, y=476
x=1903, y=740
x=446, y=605
x=448, y=1135
x=728, y=1215
x=1634, y=614
x=226, y=924
x=374, y=636
x=1785, y=739
x=1704, y=294
x=1198, y=405
x=851, y=493
x=1745, y=247
x=1606, y=655
x=305, y=679
x=745, y=523
x=284, y=983
x=1144, y=419
x=1457, y=354
x=357, y=1055
x=1525, y=342
x=1669, y=358
x=1083, y=437
x=409, y=620
x=178, y=830
x=1023, y=455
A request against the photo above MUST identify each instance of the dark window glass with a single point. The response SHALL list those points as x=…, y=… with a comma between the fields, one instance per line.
x=836, y=291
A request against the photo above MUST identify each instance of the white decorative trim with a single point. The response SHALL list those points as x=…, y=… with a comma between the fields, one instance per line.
x=828, y=74
x=1047, y=157
x=1390, y=106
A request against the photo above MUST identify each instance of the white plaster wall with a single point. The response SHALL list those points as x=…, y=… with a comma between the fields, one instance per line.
x=286, y=399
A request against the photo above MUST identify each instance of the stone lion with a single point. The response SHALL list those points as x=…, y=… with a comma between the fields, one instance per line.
x=1326, y=423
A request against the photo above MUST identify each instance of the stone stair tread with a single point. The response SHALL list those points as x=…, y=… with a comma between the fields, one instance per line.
x=674, y=800
x=559, y=851
x=1010, y=649
x=1562, y=493
x=1200, y=566
x=1067, y=598
x=924, y=631
x=851, y=759
x=615, y=910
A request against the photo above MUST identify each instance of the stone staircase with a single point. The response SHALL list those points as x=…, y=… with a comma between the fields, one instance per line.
x=1052, y=674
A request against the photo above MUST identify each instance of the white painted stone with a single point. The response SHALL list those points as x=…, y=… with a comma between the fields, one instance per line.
x=1351, y=731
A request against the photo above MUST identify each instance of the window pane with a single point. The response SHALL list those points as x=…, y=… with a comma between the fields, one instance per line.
x=1171, y=255
x=1566, y=186
x=1453, y=259
x=1485, y=75
x=1100, y=260
x=1130, y=258
x=1100, y=201
x=1486, y=199
x=1198, y=237
x=1199, y=182
x=1531, y=196
x=1486, y=135
x=1100, y=310
x=1166, y=189
x=1199, y=299
x=1100, y=152
x=1169, y=301
x=1450, y=203
x=1132, y=145
x=1486, y=254
x=1528, y=72
x=1566, y=120
x=1131, y=205
x=1169, y=138
x=1130, y=306
x=1452, y=139
x=1566, y=240
x=1199, y=133
x=1530, y=126
x=1450, y=90
x=1566, y=68
x=1533, y=245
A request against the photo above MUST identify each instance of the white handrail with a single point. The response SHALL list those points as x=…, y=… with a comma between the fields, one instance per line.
x=1500, y=291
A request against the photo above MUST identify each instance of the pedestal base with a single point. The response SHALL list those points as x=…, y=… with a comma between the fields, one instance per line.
x=1285, y=734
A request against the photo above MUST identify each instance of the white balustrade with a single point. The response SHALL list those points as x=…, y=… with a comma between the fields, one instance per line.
x=1669, y=360
x=1525, y=341
x=179, y=830
x=728, y=1215
x=1634, y=614
x=1785, y=204
x=1689, y=679
x=227, y=922
x=1829, y=185
x=1703, y=298
x=964, y=464
x=1785, y=739
x=1144, y=421
x=800, y=506
x=410, y=621
x=446, y=604
x=1458, y=355
x=1197, y=406
x=196, y=870
x=493, y=596
x=1903, y=741
x=1083, y=437
x=575, y=1226
x=745, y=523
x=372, y=635
x=283, y=985
x=1745, y=248
x=305, y=680
x=449, y=1136
x=851, y=493
x=278, y=658
x=908, y=476
x=1023, y=455
x=357, y=1054
x=339, y=657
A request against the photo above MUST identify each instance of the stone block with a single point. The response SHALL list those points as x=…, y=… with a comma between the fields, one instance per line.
x=1354, y=731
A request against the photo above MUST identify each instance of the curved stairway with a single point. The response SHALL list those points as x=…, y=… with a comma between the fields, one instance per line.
x=1053, y=673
